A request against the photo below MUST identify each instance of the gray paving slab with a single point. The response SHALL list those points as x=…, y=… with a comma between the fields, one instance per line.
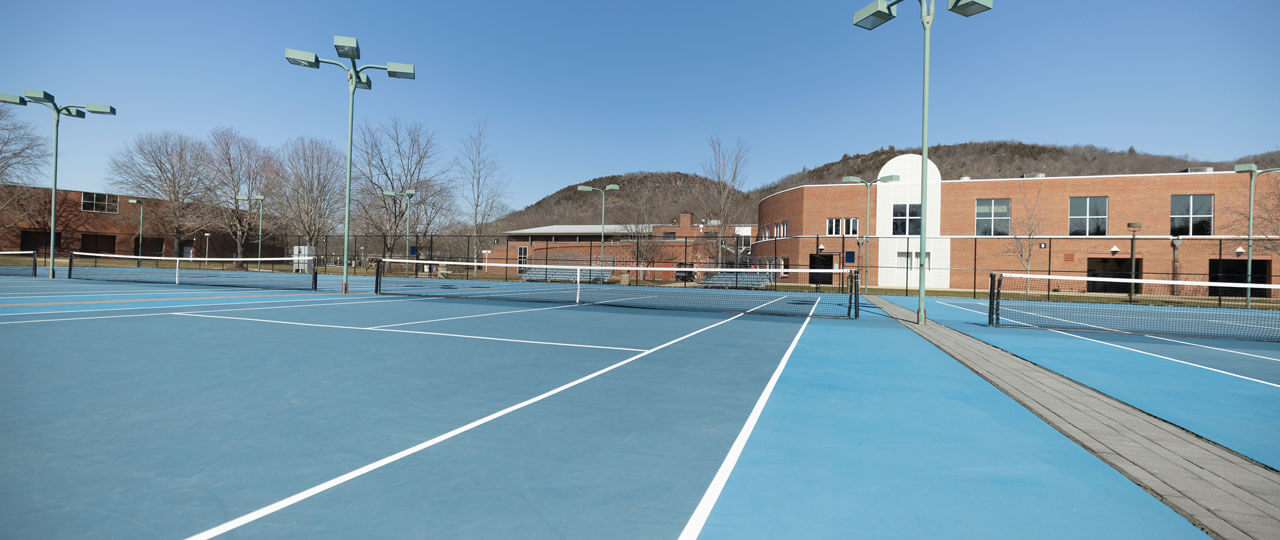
x=1225, y=494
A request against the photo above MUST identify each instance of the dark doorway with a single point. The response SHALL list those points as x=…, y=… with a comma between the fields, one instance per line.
x=98, y=243
x=38, y=241
x=1113, y=268
x=819, y=261
x=1233, y=271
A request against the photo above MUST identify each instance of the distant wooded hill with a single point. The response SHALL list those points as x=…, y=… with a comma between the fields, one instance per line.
x=659, y=197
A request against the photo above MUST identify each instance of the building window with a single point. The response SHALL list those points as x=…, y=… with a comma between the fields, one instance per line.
x=1087, y=216
x=100, y=202
x=906, y=219
x=833, y=226
x=668, y=236
x=992, y=217
x=784, y=229
x=851, y=226
x=1191, y=215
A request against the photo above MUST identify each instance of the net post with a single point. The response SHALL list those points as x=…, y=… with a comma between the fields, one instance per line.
x=177, y=264
x=854, y=297
x=377, y=277
x=71, y=265
x=577, y=280
x=993, y=300
x=315, y=274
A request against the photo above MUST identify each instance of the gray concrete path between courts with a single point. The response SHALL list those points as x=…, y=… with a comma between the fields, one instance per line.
x=1221, y=492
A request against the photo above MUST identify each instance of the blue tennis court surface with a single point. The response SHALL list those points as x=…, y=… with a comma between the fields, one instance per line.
x=1227, y=391
x=130, y=410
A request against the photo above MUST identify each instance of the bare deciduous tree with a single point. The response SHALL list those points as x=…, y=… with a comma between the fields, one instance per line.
x=168, y=167
x=483, y=187
x=397, y=157
x=305, y=189
x=727, y=170
x=1025, y=223
x=22, y=155
x=238, y=167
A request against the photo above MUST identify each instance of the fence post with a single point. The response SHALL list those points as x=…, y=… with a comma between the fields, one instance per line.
x=993, y=303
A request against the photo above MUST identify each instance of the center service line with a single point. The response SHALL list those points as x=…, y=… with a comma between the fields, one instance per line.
x=339, y=480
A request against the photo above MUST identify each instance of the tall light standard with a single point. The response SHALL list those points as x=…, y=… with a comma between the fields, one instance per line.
x=877, y=13
x=864, y=241
x=206, y=244
x=74, y=111
x=1252, y=169
x=408, y=198
x=610, y=187
x=141, y=212
x=260, y=199
x=348, y=48
x=1134, y=227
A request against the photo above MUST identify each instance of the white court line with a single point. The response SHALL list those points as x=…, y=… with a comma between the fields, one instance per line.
x=1162, y=357
x=420, y=332
x=248, y=301
x=171, y=307
x=506, y=312
x=700, y=514
x=339, y=480
x=1242, y=353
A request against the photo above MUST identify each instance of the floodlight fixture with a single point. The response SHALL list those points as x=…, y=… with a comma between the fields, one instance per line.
x=875, y=14
x=396, y=70
x=302, y=58
x=258, y=197
x=347, y=47
x=612, y=187
x=585, y=188
x=133, y=201
x=1246, y=167
x=38, y=96
x=969, y=8
x=410, y=192
x=12, y=99
x=101, y=109
x=74, y=113
x=388, y=193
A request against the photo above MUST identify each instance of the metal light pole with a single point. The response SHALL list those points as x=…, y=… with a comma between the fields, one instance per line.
x=348, y=48
x=610, y=187
x=260, y=199
x=141, y=212
x=877, y=13
x=1252, y=169
x=206, y=244
x=408, y=198
x=1134, y=227
x=74, y=111
x=867, y=214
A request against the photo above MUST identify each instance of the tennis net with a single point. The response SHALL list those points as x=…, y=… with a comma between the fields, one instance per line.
x=822, y=293
x=18, y=263
x=295, y=273
x=1136, y=306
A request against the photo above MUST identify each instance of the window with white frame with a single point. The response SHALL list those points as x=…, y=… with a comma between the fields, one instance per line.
x=784, y=228
x=992, y=218
x=833, y=226
x=1087, y=216
x=851, y=226
x=906, y=219
x=100, y=202
x=1191, y=215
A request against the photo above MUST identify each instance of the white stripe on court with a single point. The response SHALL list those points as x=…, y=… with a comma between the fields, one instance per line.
x=170, y=307
x=700, y=514
x=1162, y=357
x=420, y=332
x=339, y=480
x=504, y=312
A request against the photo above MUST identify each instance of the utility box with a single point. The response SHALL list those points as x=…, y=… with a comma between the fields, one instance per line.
x=305, y=266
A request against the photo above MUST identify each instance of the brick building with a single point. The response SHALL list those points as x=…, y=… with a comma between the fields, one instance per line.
x=1193, y=226
x=684, y=241
x=94, y=222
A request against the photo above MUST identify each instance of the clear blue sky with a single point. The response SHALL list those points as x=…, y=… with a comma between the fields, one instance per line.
x=578, y=89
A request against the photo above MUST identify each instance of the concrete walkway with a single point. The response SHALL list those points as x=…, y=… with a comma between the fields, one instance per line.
x=1221, y=492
